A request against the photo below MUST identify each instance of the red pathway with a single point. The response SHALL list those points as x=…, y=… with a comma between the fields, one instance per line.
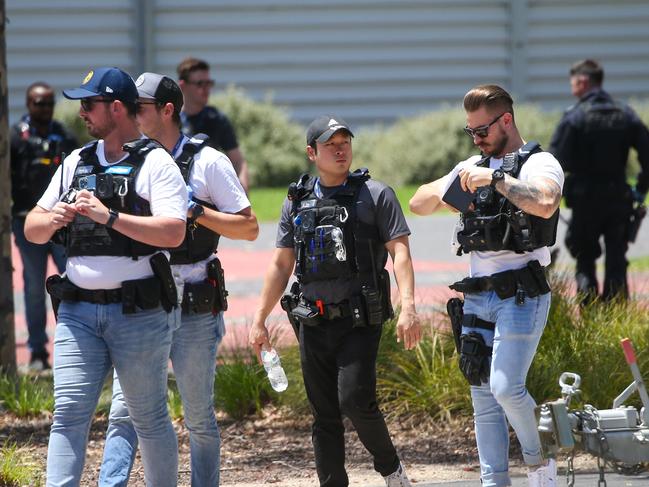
x=245, y=270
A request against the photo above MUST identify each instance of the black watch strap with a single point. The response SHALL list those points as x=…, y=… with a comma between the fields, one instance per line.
x=198, y=211
x=496, y=175
x=112, y=216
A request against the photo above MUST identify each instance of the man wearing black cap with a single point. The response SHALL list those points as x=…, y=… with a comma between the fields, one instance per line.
x=115, y=203
x=218, y=207
x=336, y=231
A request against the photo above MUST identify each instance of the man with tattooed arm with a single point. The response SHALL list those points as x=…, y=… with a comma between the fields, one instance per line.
x=508, y=198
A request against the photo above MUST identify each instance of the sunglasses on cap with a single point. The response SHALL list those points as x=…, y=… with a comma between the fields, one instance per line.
x=87, y=104
x=483, y=130
x=202, y=83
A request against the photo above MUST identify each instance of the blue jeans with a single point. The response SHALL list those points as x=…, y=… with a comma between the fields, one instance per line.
x=89, y=340
x=34, y=259
x=505, y=398
x=193, y=355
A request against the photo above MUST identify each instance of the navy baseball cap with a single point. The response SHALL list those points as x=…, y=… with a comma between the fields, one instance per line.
x=160, y=88
x=109, y=82
x=323, y=127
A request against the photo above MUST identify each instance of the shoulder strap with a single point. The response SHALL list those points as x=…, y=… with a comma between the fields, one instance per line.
x=513, y=161
x=299, y=190
x=88, y=152
x=484, y=162
x=192, y=147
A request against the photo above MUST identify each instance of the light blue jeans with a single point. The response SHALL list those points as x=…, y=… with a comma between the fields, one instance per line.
x=90, y=339
x=505, y=398
x=193, y=356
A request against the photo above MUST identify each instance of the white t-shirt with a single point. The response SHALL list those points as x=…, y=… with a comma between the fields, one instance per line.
x=540, y=164
x=159, y=182
x=214, y=181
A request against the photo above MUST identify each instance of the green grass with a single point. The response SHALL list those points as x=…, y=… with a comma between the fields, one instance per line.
x=17, y=467
x=267, y=202
x=241, y=386
x=639, y=264
x=26, y=396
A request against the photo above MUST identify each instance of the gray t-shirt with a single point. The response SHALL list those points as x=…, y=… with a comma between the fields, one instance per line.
x=377, y=205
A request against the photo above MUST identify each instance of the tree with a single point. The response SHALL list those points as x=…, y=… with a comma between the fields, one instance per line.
x=7, y=334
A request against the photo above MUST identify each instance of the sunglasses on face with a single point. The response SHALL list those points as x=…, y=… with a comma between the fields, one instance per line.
x=43, y=103
x=87, y=104
x=139, y=106
x=203, y=83
x=483, y=130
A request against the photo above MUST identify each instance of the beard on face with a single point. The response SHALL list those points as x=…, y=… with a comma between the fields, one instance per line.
x=100, y=131
x=496, y=148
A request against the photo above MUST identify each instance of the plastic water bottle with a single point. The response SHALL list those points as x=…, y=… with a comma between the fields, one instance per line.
x=273, y=366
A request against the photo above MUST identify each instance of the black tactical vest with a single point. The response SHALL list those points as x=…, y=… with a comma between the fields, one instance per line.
x=200, y=242
x=496, y=224
x=37, y=160
x=604, y=142
x=330, y=241
x=115, y=187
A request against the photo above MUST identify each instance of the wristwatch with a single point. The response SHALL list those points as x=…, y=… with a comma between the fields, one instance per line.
x=497, y=175
x=112, y=216
x=197, y=211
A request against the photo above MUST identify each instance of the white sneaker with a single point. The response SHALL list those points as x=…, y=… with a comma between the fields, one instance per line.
x=398, y=478
x=544, y=476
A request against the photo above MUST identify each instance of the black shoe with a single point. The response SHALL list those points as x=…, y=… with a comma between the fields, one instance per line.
x=39, y=362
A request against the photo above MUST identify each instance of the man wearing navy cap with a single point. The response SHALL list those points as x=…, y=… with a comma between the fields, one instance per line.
x=335, y=233
x=116, y=203
x=218, y=207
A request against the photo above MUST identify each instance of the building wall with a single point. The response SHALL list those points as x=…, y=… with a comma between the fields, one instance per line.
x=369, y=60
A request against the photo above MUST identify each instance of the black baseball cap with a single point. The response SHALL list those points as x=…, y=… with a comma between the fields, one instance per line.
x=323, y=127
x=108, y=82
x=160, y=88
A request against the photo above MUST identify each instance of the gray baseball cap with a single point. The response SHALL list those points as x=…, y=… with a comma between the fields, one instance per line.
x=160, y=88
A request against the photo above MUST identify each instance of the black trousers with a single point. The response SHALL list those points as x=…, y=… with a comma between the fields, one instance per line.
x=339, y=369
x=588, y=224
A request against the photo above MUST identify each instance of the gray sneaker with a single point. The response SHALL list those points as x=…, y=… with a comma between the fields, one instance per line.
x=398, y=478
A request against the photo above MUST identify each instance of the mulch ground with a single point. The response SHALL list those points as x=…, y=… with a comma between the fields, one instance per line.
x=270, y=449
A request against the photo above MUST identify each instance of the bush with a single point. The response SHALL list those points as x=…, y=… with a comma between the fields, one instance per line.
x=413, y=150
x=273, y=145
x=588, y=343
x=240, y=386
x=27, y=396
x=17, y=467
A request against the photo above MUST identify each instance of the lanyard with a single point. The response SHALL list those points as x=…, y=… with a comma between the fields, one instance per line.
x=177, y=146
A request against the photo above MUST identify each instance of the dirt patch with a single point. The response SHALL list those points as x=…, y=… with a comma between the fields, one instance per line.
x=273, y=450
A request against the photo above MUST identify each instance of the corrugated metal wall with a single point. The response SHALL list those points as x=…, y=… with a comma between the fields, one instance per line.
x=369, y=60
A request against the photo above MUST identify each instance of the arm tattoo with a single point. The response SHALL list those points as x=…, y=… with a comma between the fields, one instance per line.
x=539, y=197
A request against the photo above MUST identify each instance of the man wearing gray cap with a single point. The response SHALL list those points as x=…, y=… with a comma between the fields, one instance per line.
x=218, y=206
x=116, y=203
x=336, y=231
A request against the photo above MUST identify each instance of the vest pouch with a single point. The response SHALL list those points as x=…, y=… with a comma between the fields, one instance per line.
x=497, y=232
x=373, y=305
x=198, y=298
x=504, y=284
x=140, y=293
x=216, y=278
x=325, y=254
